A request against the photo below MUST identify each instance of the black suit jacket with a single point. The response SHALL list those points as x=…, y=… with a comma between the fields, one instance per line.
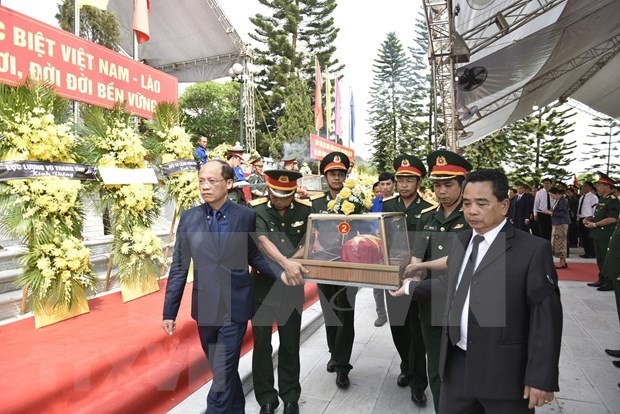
x=515, y=316
x=521, y=210
x=222, y=282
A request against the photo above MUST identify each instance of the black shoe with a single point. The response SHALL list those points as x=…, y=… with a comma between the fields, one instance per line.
x=269, y=408
x=418, y=398
x=342, y=380
x=596, y=284
x=587, y=256
x=380, y=321
x=402, y=380
x=605, y=288
x=616, y=363
x=291, y=408
x=331, y=366
x=613, y=352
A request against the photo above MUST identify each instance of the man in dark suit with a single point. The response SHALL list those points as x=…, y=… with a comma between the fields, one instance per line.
x=521, y=209
x=503, y=320
x=217, y=236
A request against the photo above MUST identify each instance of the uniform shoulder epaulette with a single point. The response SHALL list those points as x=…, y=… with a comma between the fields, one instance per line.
x=258, y=201
x=304, y=202
x=613, y=197
x=390, y=198
x=431, y=208
x=316, y=197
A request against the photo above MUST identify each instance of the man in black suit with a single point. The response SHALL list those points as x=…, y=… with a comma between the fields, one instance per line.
x=521, y=208
x=503, y=321
x=217, y=236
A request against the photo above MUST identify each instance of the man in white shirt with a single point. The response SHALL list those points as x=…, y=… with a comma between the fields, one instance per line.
x=585, y=208
x=542, y=203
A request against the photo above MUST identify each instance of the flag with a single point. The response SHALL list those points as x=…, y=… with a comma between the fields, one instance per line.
x=337, y=126
x=352, y=120
x=575, y=180
x=99, y=4
x=328, y=103
x=318, y=109
x=141, y=10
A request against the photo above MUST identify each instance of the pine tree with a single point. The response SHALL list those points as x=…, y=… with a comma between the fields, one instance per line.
x=98, y=26
x=295, y=124
x=604, y=146
x=490, y=152
x=540, y=147
x=394, y=106
x=423, y=80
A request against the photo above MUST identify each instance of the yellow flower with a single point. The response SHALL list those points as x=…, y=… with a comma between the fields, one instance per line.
x=350, y=183
x=347, y=207
x=330, y=205
x=367, y=203
x=345, y=193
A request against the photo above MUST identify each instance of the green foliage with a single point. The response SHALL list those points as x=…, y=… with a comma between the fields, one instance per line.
x=396, y=110
x=212, y=109
x=423, y=78
x=490, y=152
x=603, y=148
x=296, y=122
x=98, y=26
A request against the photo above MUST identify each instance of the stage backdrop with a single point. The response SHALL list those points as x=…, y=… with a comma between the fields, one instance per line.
x=320, y=147
x=79, y=69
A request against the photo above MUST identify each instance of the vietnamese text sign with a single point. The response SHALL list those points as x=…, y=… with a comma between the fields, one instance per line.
x=79, y=69
x=320, y=147
x=13, y=170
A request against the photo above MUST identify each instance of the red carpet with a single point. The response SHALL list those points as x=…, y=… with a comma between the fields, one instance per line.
x=116, y=359
x=579, y=272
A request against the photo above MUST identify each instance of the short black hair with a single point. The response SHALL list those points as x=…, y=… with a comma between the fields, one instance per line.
x=545, y=179
x=498, y=180
x=375, y=185
x=385, y=175
x=589, y=184
x=228, y=172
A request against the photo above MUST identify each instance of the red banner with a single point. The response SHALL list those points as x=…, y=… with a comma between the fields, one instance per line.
x=79, y=69
x=320, y=147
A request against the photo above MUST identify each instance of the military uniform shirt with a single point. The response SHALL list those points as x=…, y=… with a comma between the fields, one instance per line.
x=607, y=207
x=413, y=213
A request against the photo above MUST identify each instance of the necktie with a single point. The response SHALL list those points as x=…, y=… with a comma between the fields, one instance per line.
x=548, y=200
x=214, y=225
x=583, y=198
x=454, y=325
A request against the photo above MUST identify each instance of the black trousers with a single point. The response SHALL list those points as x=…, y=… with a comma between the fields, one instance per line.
x=544, y=226
x=456, y=399
x=588, y=243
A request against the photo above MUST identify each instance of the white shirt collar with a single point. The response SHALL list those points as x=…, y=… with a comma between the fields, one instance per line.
x=490, y=235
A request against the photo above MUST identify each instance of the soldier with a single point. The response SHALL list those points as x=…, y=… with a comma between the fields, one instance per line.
x=337, y=302
x=434, y=234
x=290, y=162
x=281, y=226
x=235, y=159
x=601, y=226
x=403, y=311
x=257, y=178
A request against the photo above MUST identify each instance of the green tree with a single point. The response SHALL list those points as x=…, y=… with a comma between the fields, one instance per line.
x=212, y=110
x=603, y=147
x=490, y=152
x=98, y=26
x=288, y=37
x=394, y=106
x=423, y=80
x=539, y=145
x=295, y=124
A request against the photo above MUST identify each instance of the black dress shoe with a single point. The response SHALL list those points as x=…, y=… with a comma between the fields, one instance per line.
x=605, y=288
x=331, y=365
x=418, y=398
x=342, y=380
x=269, y=408
x=598, y=283
x=291, y=408
x=616, y=363
x=587, y=256
x=613, y=352
x=402, y=380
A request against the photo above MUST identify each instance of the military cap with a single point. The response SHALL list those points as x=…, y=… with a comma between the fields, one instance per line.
x=605, y=179
x=255, y=159
x=289, y=159
x=334, y=161
x=282, y=183
x=409, y=165
x=236, y=151
x=444, y=165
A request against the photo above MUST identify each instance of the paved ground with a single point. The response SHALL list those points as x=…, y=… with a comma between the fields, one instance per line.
x=588, y=379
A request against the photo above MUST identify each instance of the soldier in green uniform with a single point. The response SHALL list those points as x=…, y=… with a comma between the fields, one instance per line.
x=256, y=178
x=435, y=231
x=403, y=311
x=281, y=227
x=337, y=302
x=602, y=225
x=611, y=271
x=290, y=162
x=234, y=157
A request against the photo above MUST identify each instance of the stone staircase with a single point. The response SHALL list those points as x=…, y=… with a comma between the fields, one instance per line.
x=99, y=245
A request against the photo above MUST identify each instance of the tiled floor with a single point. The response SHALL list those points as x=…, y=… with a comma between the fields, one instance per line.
x=588, y=379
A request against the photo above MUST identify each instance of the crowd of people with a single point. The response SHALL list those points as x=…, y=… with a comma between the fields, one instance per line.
x=478, y=317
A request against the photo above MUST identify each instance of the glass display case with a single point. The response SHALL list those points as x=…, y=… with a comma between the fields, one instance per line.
x=358, y=249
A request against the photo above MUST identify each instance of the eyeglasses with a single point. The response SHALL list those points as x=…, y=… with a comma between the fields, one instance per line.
x=211, y=181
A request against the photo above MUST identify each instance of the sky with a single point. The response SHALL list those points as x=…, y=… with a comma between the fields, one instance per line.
x=362, y=30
